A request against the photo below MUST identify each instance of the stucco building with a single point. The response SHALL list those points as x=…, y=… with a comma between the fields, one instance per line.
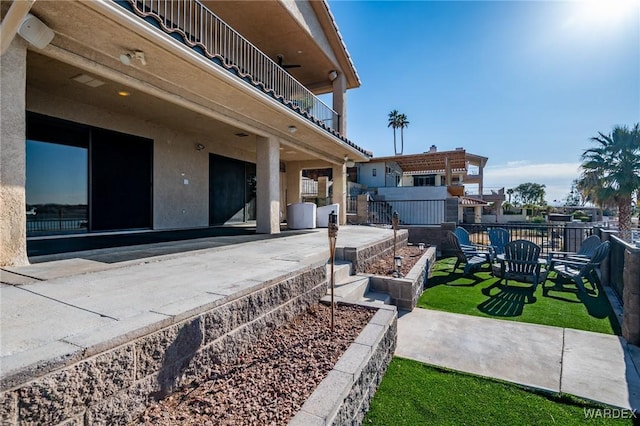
x=136, y=114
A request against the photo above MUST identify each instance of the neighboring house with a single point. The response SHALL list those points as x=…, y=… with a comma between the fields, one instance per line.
x=432, y=175
x=132, y=114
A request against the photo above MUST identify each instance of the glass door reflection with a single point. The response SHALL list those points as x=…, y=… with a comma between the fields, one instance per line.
x=56, y=188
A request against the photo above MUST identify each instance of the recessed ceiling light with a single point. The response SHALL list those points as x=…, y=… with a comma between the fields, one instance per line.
x=123, y=93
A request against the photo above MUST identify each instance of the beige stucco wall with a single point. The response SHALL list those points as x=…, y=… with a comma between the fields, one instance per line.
x=175, y=204
x=307, y=18
x=12, y=156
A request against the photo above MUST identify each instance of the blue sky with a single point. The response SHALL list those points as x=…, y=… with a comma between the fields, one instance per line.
x=525, y=83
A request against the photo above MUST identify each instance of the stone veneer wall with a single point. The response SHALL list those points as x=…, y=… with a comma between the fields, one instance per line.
x=631, y=296
x=114, y=386
x=406, y=291
x=344, y=396
x=361, y=258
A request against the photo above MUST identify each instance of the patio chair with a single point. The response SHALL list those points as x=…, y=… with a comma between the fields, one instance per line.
x=578, y=269
x=498, y=238
x=472, y=259
x=465, y=241
x=521, y=262
x=587, y=248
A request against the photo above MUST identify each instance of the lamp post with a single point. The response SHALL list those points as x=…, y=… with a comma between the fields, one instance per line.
x=394, y=222
x=332, y=229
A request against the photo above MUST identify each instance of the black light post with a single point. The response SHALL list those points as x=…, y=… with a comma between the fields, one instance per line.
x=394, y=222
x=333, y=236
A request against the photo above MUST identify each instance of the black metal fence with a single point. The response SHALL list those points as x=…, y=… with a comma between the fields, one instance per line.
x=549, y=236
x=616, y=265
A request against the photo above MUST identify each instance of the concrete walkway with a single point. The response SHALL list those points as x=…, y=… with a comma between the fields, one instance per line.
x=593, y=366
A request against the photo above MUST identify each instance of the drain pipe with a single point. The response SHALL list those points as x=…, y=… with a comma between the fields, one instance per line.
x=12, y=21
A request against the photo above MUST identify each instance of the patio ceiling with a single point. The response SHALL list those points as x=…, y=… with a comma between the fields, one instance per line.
x=429, y=162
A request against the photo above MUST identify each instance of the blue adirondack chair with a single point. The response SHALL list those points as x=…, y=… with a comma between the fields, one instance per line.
x=578, y=269
x=587, y=249
x=472, y=259
x=498, y=238
x=465, y=241
x=521, y=262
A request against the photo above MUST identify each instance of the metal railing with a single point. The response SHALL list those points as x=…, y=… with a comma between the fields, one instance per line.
x=43, y=226
x=352, y=205
x=616, y=265
x=550, y=237
x=202, y=30
x=411, y=212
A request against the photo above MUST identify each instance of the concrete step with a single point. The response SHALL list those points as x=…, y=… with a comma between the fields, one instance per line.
x=350, y=290
x=376, y=298
x=341, y=271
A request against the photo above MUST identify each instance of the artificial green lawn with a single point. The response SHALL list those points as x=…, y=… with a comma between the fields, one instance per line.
x=481, y=294
x=415, y=394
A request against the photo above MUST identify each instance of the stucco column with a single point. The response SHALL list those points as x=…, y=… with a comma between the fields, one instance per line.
x=340, y=102
x=13, y=220
x=340, y=190
x=477, y=210
x=294, y=182
x=268, y=185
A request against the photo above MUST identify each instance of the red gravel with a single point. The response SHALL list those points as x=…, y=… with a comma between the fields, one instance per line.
x=269, y=383
x=410, y=255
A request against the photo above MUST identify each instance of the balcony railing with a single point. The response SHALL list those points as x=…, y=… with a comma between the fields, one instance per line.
x=195, y=25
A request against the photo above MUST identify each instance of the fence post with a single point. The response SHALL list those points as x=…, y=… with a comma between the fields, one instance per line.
x=362, y=209
x=631, y=296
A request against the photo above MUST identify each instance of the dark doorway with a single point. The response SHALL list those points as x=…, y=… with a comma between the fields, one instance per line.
x=232, y=190
x=121, y=178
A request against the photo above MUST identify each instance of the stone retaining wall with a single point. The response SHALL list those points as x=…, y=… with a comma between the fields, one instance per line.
x=363, y=257
x=344, y=396
x=115, y=385
x=406, y=291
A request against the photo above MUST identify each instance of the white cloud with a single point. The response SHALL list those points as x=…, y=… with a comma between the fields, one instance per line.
x=557, y=177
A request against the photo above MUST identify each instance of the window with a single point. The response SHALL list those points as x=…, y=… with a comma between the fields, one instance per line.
x=424, y=180
x=374, y=172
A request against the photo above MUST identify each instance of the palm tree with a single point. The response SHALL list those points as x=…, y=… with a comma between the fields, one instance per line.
x=393, y=122
x=611, y=172
x=402, y=123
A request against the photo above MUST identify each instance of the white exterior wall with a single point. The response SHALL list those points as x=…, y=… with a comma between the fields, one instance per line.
x=365, y=174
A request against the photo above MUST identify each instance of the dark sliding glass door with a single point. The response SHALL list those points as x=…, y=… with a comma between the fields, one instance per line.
x=82, y=179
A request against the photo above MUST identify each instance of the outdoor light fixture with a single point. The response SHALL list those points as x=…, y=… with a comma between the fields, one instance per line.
x=332, y=230
x=35, y=31
x=348, y=163
x=397, y=262
x=126, y=58
x=199, y=147
x=292, y=129
x=333, y=74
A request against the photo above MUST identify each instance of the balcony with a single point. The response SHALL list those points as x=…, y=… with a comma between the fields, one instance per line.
x=191, y=23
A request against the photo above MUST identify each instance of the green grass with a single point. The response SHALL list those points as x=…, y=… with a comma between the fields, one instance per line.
x=415, y=394
x=481, y=294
